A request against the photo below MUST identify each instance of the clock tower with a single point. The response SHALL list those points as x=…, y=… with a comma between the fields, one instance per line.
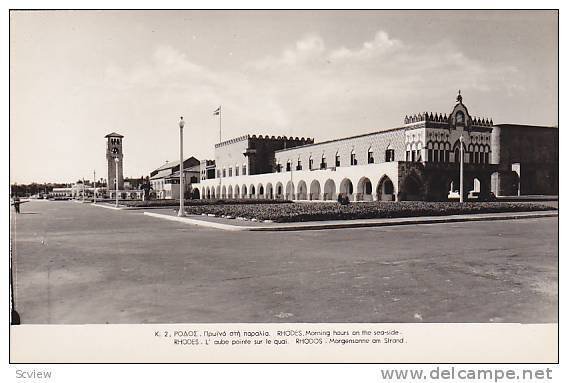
x=114, y=151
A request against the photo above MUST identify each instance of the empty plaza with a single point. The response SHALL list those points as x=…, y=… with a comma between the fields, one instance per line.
x=76, y=263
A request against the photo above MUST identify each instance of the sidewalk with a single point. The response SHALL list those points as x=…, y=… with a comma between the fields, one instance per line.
x=238, y=225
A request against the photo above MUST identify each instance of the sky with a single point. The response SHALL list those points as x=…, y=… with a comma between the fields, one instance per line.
x=76, y=76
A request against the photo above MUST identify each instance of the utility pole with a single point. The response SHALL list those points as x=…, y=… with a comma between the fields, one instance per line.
x=94, y=186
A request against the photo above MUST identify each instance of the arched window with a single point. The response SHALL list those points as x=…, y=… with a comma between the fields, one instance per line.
x=323, y=164
x=353, y=158
x=311, y=163
x=389, y=155
x=370, y=157
x=288, y=166
x=460, y=118
x=337, y=160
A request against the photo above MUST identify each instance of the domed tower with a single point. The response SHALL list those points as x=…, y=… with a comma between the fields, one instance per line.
x=114, y=152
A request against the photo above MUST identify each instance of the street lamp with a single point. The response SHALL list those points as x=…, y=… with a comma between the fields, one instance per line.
x=461, y=168
x=181, y=212
x=116, y=160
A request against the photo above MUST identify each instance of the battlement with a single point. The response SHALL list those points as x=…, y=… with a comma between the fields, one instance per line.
x=292, y=140
x=443, y=119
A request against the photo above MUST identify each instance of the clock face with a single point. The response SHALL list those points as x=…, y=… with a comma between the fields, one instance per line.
x=114, y=150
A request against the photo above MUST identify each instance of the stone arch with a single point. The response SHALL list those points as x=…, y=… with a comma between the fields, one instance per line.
x=224, y=192
x=364, y=190
x=208, y=191
x=252, y=191
x=329, y=190
x=302, y=192
x=279, y=190
x=237, y=192
x=412, y=188
x=346, y=188
x=218, y=191
x=315, y=190
x=438, y=187
x=244, y=191
x=260, y=190
x=385, y=189
x=290, y=190
x=230, y=191
x=195, y=194
x=269, y=191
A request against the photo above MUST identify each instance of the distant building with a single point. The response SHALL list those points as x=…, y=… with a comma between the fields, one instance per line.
x=418, y=160
x=165, y=179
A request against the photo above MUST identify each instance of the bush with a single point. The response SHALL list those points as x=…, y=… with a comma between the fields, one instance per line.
x=204, y=202
x=321, y=211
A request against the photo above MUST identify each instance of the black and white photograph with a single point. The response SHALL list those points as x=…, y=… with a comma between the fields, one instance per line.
x=309, y=170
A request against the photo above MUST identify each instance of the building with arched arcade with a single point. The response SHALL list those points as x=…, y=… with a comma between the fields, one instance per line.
x=418, y=160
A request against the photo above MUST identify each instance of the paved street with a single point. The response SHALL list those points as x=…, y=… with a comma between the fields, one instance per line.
x=76, y=263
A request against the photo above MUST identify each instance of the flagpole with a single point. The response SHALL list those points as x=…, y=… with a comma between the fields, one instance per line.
x=219, y=123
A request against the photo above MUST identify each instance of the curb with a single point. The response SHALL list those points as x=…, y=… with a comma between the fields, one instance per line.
x=106, y=206
x=190, y=221
x=356, y=224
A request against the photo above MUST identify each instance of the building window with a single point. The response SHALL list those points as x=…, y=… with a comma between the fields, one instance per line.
x=459, y=118
x=224, y=172
x=244, y=170
x=299, y=166
x=288, y=166
x=323, y=164
x=278, y=168
x=353, y=159
x=311, y=163
x=218, y=173
x=413, y=155
x=230, y=172
x=389, y=155
x=370, y=158
x=236, y=171
x=337, y=160
x=436, y=156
